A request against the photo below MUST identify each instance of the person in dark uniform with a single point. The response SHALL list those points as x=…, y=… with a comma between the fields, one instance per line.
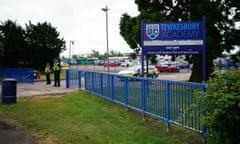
x=56, y=70
x=47, y=72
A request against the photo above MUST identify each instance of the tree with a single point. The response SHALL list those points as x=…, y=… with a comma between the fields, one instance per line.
x=95, y=54
x=32, y=47
x=1, y=49
x=12, y=37
x=115, y=53
x=221, y=16
x=44, y=43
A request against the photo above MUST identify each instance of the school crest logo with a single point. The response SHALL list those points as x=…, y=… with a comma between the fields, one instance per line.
x=152, y=31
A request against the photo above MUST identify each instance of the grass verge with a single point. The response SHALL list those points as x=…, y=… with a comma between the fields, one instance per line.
x=80, y=117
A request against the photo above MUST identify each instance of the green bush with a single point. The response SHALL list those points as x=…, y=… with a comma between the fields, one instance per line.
x=222, y=108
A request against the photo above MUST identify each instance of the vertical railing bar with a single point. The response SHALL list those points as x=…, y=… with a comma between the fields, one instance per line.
x=101, y=86
x=126, y=91
x=112, y=85
x=143, y=97
x=203, y=111
x=67, y=78
x=168, y=105
x=79, y=80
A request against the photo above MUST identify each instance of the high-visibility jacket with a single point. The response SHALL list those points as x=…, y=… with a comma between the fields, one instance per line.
x=47, y=69
x=56, y=67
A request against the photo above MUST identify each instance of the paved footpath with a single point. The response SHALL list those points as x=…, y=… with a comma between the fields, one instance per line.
x=41, y=88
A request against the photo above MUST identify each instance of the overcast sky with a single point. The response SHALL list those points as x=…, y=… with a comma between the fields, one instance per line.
x=82, y=21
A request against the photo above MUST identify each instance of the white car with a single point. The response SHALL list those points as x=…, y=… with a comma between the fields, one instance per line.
x=126, y=63
x=131, y=71
x=136, y=71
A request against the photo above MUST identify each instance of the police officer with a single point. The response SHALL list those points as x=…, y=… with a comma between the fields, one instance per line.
x=56, y=70
x=48, y=71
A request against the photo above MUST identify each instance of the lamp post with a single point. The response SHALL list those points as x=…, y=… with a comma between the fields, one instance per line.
x=71, y=43
x=106, y=9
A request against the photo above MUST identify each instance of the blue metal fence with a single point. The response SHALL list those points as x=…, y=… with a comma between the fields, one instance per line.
x=22, y=75
x=169, y=101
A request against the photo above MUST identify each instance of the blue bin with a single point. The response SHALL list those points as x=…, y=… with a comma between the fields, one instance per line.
x=9, y=88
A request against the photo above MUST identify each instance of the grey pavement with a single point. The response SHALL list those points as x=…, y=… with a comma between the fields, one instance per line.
x=41, y=88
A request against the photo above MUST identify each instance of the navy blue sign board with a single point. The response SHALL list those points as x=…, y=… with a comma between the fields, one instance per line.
x=174, y=38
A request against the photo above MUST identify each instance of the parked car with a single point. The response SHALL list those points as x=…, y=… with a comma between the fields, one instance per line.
x=182, y=64
x=110, y=64
x=126, y=63
x=100, y=62
x=167, y=67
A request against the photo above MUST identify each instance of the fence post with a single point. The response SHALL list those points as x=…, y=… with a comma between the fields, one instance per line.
x=79, y=79
x=168, y=101
x=92, y=82
x=101, y=86
x=144, y=90
x=203, y=111
x=112, y=83
x=126, y=90
x=67, y=77
x=85, y=80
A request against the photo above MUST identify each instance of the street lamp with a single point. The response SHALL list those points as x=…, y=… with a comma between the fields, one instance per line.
x=71, y=43
x=106, y=9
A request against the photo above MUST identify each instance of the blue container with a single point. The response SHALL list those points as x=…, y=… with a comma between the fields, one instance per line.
x=9, y=86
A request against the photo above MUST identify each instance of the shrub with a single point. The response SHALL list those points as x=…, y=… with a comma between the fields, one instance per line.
x=222, y=108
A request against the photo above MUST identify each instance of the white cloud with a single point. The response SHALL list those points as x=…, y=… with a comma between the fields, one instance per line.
x=79, y=20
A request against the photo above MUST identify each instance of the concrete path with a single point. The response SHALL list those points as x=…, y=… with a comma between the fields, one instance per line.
x=41, y=88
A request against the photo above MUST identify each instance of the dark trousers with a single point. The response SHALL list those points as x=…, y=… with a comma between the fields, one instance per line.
x=48, y=78
x=56, y=78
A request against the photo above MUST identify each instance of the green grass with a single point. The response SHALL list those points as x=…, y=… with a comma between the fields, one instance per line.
x=81, y=118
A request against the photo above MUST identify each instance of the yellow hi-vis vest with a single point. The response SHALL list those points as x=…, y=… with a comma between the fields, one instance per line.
x=47, y=69
x=56, y=67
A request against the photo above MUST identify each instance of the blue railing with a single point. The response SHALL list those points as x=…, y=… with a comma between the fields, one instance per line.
x=169, y=101
x=22, y=75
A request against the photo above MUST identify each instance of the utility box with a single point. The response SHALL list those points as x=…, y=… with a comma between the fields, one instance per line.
x=9, y=91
